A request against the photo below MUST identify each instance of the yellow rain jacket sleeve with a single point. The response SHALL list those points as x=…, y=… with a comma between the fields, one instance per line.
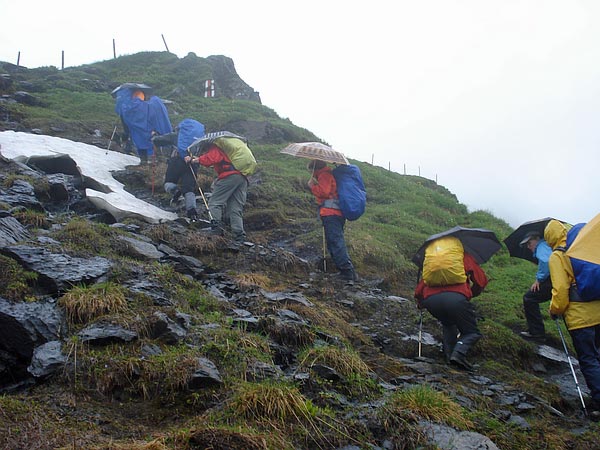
x=576, y=314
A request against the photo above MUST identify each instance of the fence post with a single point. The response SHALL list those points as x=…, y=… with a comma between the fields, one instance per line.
x=18, y=58
x=163, y=38
x=114, y=50
x=63, y=60
x=404, y=168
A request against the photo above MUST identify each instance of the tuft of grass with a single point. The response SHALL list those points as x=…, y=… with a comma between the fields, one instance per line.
x=424, y=401
x=88, y=238
x=84, y=303
x=269, y=403
x=250, y=280
x=344, y=361
x=15, y=282
x=36, y=219
x=223, y=438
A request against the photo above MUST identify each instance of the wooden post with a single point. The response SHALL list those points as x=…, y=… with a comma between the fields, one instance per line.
x=419, y=170
x=63, y=60
x=163, y=38
x=114, y=50
x=404, y=168
x=372, y=158
x=389, y=166
x=18, y=58
x=436, y=179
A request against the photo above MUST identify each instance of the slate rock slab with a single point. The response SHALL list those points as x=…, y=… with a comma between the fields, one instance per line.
x=58, y=271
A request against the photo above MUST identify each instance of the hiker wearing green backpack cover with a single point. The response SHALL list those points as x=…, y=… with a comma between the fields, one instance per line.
x=582, y=317
x=229, y=193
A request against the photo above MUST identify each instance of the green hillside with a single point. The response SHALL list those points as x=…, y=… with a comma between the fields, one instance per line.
x=402, y=211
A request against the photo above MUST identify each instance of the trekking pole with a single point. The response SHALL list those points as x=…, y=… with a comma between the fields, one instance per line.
x=420, y=330
x=324, y=254
x=562, y=338
x=153, y=167
x=198, y=186
x=111, y=139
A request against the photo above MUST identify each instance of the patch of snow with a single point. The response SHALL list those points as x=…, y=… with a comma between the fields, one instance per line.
x=92, y=162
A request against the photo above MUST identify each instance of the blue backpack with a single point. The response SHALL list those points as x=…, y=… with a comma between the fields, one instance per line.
x=352, y=196
x=587, y=274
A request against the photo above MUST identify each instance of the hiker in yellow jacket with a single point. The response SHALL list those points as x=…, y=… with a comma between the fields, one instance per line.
x=582, y=318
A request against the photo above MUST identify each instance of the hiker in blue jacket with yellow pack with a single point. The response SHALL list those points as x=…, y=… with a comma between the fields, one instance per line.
x=541, y=289
x=323, y=185
x=581, y=315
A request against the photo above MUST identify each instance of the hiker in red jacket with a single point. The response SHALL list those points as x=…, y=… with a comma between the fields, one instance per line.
x=451, y=306
x=323, y=186
x=228, y=194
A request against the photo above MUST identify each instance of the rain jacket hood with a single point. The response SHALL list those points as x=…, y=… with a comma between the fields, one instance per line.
x=555, y=234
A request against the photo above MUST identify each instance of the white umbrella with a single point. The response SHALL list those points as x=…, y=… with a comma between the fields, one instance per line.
x=315, y=150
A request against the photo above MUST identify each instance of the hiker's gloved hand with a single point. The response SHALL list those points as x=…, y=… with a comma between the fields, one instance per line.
x=554, y=316
x=188, y=159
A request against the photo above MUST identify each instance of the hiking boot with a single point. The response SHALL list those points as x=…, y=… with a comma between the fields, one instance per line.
x=528, y=335
x=594, y=410
x=348, y=275
x=460, y=360
x=234, y=247
x=175, y=199
x=215, y=229
x=192, y=215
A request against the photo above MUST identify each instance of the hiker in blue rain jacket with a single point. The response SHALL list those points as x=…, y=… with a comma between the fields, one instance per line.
x=142, y=119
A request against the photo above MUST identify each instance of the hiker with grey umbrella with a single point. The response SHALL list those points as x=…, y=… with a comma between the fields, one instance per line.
x=451, y=277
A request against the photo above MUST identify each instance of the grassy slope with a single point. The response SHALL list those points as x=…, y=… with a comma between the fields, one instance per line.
x=402, y=210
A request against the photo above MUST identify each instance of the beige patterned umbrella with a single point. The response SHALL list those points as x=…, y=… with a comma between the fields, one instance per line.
x=315, y=150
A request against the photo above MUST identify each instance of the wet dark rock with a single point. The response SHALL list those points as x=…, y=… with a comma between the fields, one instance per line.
x=164, y=328
x=47, y=359
x=149, y=350
x=205, y=375
x=23, y=327
x=21, y=193
x=524, y=406
x=141, y=249
x=259, y=371
x=187, y=265
x=26, y=98
x=519, y=422
x=250, y=324
x=326, y=372
x=286, y=297
x=58, y=271
x=106, y=333
x=446, y=437
x=290, y=316
x=150, y=289
x=11, y=231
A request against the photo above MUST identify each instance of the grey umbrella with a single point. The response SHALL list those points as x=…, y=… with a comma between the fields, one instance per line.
x=478, y=242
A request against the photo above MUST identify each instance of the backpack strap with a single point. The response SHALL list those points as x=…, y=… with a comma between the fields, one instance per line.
x=573, y=292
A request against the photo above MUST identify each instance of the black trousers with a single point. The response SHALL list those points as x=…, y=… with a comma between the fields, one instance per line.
x=177, y=169
x=457, y=315
x=531, y=306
